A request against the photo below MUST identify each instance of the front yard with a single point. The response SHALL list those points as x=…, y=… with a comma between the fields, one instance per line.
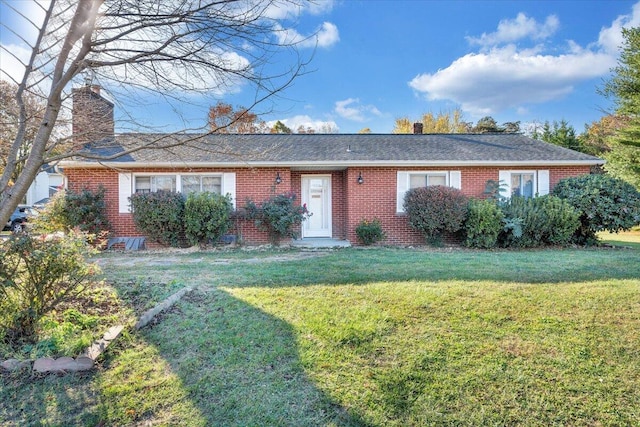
x=361, y=337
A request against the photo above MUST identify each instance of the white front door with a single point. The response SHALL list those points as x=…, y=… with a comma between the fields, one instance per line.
x=316, y=194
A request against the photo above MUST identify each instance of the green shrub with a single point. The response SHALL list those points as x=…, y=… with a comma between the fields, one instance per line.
x=603, y=203
x=277, y=215
x=538, y=221
x=434, y=210
x=36, y=276
x=369, y=232
x=483, y=224
x=69, y=209
x=206, y=217
x=160, y=216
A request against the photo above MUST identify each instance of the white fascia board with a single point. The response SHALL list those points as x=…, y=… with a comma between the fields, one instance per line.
x=325, y=164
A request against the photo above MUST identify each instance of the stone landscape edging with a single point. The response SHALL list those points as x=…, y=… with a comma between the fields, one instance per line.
x=87, y=359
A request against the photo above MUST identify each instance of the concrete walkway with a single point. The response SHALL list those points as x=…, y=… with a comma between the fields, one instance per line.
x=320, y=243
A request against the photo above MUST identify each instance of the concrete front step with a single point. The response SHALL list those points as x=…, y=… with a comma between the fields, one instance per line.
x=320, y=242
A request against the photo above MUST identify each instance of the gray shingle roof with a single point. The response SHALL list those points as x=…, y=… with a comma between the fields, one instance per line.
x=332, y=150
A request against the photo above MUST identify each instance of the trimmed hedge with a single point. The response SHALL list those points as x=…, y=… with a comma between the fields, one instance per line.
x=206, y=217
x=434, y=210
x=160, y=216
x=483, y=224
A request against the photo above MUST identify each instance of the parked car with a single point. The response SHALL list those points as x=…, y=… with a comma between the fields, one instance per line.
x=18, y=220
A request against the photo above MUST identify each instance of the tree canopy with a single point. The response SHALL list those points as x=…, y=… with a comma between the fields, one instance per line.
x=623, y=159
x=223, y=118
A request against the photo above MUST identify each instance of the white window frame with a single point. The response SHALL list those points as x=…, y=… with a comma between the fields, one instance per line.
x=126, y=185
x=403, y=180
x=540, y=181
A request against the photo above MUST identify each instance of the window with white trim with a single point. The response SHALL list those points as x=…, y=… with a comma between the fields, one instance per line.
x=218, y=183
x=184, y=184
x=155, y=183
x=406, y=180
x=524, y=183
x=201, y=184
x=418, y=180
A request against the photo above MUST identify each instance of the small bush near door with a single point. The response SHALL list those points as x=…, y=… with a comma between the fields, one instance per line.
x=369, y=232
x=277, y=215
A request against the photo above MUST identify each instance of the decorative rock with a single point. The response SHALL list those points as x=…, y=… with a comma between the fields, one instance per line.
x=98, y=347
x=64, y=364
x=113, y=333
x=14, y=364
x=150, y=314
x=84, y=363
x=44, y=364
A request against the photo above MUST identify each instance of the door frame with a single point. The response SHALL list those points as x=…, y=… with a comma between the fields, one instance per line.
x=305, y=194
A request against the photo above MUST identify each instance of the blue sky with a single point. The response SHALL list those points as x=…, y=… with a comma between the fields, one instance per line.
x=378, y=60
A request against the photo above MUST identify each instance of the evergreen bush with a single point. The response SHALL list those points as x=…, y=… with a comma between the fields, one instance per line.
x=160, y=216
x=538, y=221
x=483, y=224
x=603, y=203
x=369, y=232
x=85, y=210
x=206, y=217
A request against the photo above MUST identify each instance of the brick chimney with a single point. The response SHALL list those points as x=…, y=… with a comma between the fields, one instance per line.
x=417, y=128
x=92, y=115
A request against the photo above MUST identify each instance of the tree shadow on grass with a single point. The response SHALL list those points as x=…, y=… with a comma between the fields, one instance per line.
x=231, y=364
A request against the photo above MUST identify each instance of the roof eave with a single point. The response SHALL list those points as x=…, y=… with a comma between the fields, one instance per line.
x=327, y=164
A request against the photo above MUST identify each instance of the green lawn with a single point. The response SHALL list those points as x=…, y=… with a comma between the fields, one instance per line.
x=362, y=337
x=626, y=238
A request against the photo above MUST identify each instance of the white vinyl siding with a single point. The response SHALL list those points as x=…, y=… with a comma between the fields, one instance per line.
x=527, y=183
x=407, y=180
x=220, y=183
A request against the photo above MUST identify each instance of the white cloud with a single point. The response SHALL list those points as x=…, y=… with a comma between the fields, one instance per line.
x=502, y=76
x=325, y=36
x=351, y=109
x=13, y=58
x=485, y=83
x=292, y=9
x=522, y=27
x=610, y=38
x=319, y=126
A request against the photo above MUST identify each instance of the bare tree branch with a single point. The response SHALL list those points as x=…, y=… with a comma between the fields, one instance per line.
x=169, y=48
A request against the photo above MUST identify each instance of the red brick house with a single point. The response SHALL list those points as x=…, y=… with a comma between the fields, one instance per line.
x=342, y=178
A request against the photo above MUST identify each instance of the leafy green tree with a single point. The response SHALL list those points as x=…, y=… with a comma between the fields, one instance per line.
x=624, y=88
x=443, y=122
x=486, y=124
x=623, y=162
x=596, y=138
x=562, y=134
x=280, y=127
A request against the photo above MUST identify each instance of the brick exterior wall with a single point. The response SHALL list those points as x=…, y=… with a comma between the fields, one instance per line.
x=351, y=202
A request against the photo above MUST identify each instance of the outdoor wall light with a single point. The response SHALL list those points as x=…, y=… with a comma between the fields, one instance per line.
x=360, y=178
x=278, y=179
